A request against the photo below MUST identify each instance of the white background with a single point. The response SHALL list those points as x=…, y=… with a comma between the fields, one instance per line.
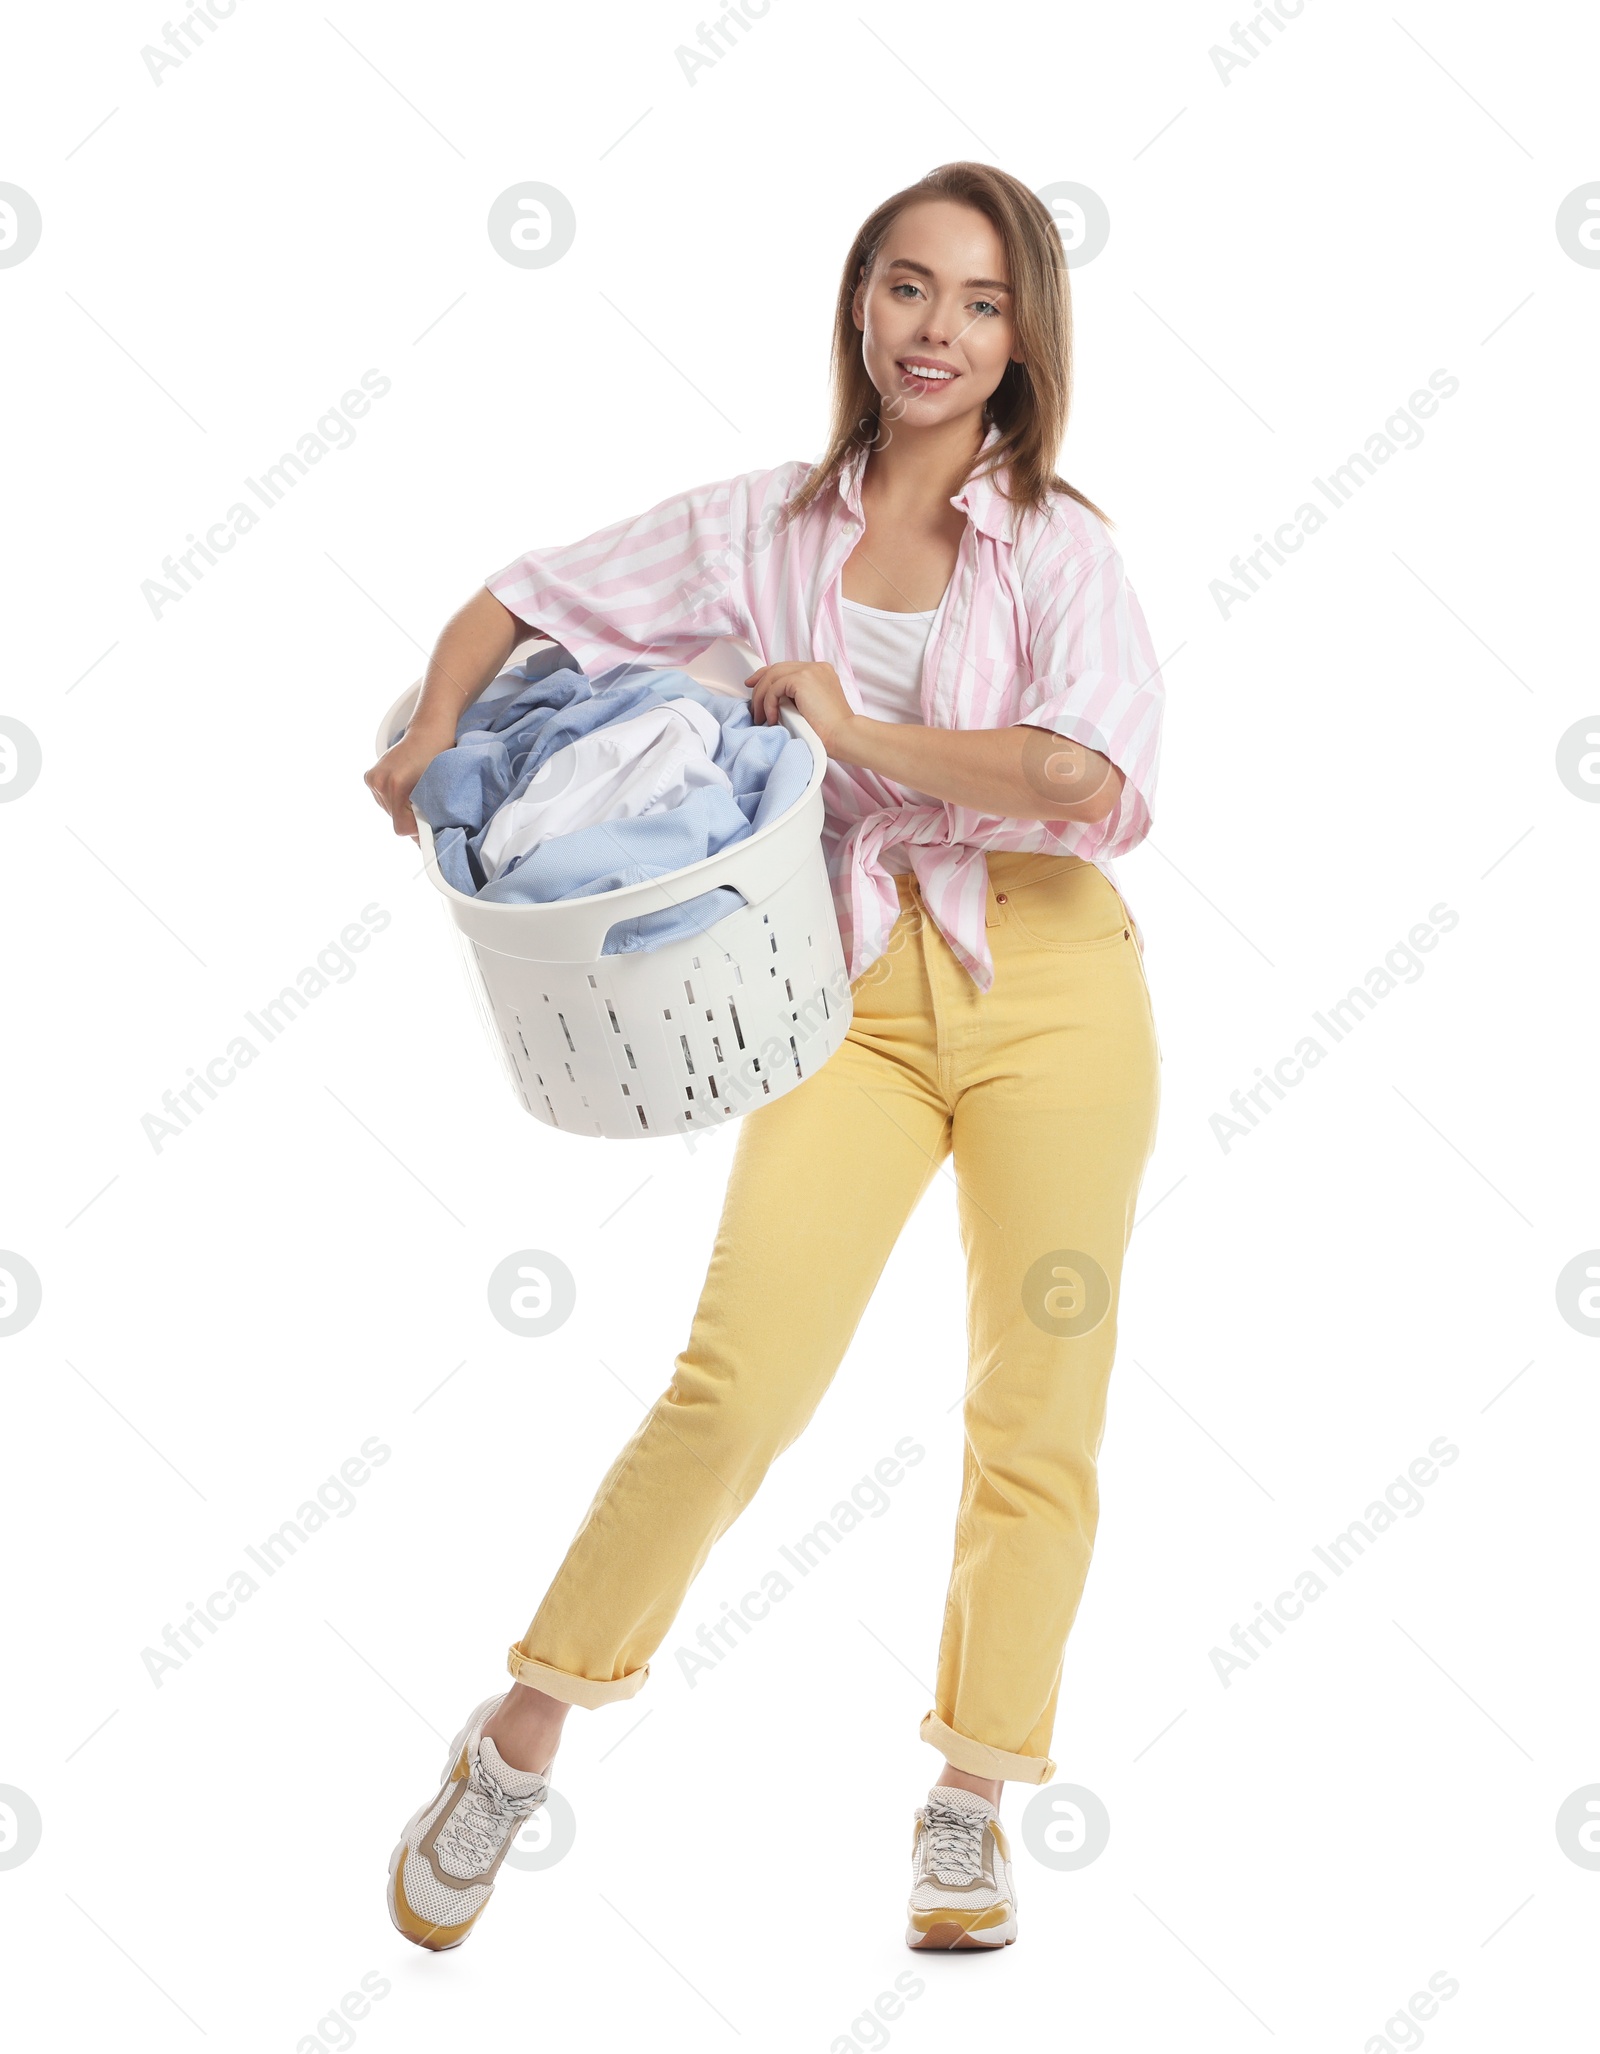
x=225, y=1320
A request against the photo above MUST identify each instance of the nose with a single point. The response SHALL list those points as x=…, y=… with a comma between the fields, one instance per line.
x=935, y=328
x=944, y=320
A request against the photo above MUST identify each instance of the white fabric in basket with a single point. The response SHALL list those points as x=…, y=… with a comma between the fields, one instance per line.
x=616, y=772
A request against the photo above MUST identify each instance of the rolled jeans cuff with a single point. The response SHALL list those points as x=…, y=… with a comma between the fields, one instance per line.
x=978, y=1759
x=572, y=1690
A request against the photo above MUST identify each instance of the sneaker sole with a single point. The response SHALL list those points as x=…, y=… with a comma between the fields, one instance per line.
x=949, y=1936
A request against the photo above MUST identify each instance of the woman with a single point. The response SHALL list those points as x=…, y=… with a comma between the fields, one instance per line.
x=953, y=621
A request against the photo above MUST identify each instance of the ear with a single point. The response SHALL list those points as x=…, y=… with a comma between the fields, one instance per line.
x=856, y=297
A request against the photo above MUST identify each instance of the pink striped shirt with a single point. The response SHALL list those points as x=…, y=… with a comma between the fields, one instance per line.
x=1038, y=624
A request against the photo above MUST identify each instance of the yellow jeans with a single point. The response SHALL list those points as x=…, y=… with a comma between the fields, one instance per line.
x=1043, y=1092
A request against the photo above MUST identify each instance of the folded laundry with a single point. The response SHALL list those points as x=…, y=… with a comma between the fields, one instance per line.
x=619, y=772
x=744, y=777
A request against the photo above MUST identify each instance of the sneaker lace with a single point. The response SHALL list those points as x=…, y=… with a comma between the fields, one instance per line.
x=482, y=1821
x=952, y=1845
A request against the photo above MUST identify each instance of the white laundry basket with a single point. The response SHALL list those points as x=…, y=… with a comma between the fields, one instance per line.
x=680, y=1038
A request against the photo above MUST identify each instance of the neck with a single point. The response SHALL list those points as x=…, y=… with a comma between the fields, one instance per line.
x=923, y=466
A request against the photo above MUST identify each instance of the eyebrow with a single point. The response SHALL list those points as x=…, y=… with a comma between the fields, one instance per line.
x=922, y=271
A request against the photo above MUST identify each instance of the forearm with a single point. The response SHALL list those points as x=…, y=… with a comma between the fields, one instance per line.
x=1021, y=772
x=471, y=651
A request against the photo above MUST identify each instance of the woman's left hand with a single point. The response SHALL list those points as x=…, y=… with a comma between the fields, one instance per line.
x=817, y=694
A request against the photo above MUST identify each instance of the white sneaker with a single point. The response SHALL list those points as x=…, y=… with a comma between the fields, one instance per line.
x=961, y=1889
x=443, y=1871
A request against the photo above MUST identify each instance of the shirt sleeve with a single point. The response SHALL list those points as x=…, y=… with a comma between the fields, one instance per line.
x=656, y=587
x=1095, y=679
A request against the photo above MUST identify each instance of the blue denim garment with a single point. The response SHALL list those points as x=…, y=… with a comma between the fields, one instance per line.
x=518, y=722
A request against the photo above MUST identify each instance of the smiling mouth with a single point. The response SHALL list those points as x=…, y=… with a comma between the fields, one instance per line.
x=925, y=375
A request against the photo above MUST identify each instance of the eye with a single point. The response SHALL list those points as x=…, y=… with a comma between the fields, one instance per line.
x=988, y=306
x=904, y=285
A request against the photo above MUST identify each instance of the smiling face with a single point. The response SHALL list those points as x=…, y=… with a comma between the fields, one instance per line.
x=935, y=315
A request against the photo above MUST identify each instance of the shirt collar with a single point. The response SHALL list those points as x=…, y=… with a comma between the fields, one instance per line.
x=980, y=499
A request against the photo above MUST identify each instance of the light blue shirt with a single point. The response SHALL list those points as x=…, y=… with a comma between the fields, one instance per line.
x=511, y=730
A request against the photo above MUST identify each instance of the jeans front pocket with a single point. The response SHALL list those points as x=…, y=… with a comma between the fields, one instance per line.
x=1070, y=907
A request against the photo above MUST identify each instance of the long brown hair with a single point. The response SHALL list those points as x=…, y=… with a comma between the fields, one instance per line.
x=1030, y=404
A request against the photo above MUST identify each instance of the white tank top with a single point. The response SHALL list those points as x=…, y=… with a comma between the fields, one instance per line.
x=886, y=651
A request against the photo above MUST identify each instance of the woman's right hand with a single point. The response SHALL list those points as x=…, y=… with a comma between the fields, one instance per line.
x=393, y=777
x=471, y=649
